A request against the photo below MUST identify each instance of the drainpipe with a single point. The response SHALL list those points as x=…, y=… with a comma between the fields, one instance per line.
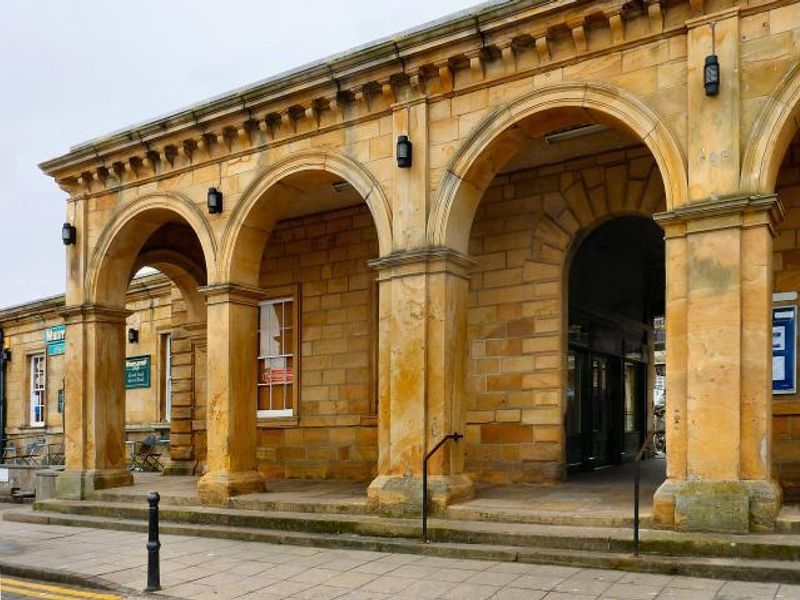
x=4, y=356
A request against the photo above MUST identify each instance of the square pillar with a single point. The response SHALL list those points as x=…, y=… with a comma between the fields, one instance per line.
x=422, y=332
x=231, y=388
x=95, y=456
x=719, y=393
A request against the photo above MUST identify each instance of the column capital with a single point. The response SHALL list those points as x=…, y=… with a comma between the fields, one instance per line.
x=723, y=213
x=97, y=313
x=233, y=293
x=423, y=261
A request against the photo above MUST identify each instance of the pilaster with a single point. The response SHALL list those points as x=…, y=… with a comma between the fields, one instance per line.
x=719, y=284
x=422, y=338
x=94, y=416
x=231, y=389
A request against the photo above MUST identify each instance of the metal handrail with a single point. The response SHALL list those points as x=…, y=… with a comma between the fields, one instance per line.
x=449, y=436
x=648, y=441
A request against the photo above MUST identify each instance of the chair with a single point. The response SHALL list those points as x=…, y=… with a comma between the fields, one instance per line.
x=145, y=457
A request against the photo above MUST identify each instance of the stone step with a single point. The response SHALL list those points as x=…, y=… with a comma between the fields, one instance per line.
x=729, y=567
x=788, y=520
x=596, y=539
x=473, y=512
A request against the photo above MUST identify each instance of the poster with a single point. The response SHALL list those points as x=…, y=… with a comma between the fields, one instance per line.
x=784, y=347
x=137, y=372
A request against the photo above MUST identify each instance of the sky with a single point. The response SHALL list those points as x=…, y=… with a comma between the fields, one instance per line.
x=73, y=70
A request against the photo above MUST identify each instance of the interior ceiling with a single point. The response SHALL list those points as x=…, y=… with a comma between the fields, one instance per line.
x=538, y=151
x=319, y=192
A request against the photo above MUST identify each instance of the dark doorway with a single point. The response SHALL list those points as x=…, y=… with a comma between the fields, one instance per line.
x=616, y=290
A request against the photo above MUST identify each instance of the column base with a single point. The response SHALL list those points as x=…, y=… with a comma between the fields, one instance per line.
x=735, y=506
x=78, y=484
x=215, y=487
x=179, y=467
x=398, y=495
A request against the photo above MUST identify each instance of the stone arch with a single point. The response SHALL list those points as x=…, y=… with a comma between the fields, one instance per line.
x=770, y=136
x=536, y=334
x=500, y=135
x=247, y=230
x=117, y=251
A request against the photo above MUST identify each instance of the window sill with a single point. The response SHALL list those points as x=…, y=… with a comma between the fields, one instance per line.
x=277, y=422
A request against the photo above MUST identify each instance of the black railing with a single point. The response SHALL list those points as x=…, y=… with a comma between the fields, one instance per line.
x=648, y=441
x=451, y=436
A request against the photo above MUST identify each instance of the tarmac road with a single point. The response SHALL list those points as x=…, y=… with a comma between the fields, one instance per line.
x=12, y=588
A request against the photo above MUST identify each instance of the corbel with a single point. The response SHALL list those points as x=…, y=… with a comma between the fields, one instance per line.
x=287, y=122
x=152, y=159
x=170, y=153
x=333, y=102
x=417, y=82
x=85, y=181
x=311, y=113
x=100, y=175
x=243, y=133
x=268, y=124
x=117, y=171
x=361, y=96
x=445, y=72
x=388, y=90
x=506, y=48
x=542, y=48
x=187, y=148
x=578, y=35
x=133, y=167
x=656, y=16
x=475, y=58
x=617, y=26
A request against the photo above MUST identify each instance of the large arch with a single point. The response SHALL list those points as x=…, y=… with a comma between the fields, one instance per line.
x=770, y=136
x=116, y=255
x=247, y=230
x=495, y=140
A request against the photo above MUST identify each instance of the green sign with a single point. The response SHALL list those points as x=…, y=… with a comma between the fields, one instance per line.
x=137, y=372
x=55, y=338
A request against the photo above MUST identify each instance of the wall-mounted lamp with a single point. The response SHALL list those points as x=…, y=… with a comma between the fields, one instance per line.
x=6, y=355
x=403, y=152
x=214, y=200
x=133, y=335
x=68, y=234
x=711, y=69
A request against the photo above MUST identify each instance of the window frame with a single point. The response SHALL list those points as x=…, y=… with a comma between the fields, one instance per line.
x=295, y=355
x=32, y=361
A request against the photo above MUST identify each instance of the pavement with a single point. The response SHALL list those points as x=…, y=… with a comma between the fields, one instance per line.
x=202, y=568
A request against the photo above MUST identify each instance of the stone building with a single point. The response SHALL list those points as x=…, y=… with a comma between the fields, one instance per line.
x=575, y=171
x=33, y=394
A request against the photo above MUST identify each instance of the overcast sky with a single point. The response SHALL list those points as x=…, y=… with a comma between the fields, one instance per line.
x=74, y=70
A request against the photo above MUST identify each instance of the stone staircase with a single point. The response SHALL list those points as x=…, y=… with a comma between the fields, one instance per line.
x=348, y=525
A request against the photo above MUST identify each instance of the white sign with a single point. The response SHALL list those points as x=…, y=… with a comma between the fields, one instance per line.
x=3, y=475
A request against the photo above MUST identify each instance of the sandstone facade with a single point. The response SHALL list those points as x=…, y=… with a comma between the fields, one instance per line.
x=434, y=298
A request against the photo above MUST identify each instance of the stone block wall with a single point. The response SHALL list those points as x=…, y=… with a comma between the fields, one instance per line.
x=321, y=260
x=786, y=267
x=523, y=236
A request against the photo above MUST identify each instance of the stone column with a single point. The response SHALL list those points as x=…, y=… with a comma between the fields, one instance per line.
x=719, y=400
x=231, y=388
x=422, y=336
x=94, y=440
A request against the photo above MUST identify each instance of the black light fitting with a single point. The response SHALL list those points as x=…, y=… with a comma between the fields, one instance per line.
x=68, y=234
x=133, y=335
x=403, y=152
x=214, y=200
x=711, y=68
x=6, y=355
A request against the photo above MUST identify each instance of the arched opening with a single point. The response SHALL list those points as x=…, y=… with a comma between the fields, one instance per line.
x=616, y=296
x=303, y=236
x=543, y=189
x=148, y=266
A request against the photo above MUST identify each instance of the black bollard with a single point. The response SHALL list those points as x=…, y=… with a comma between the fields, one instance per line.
x=153, y=545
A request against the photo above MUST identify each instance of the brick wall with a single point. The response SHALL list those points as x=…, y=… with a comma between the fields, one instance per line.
x=322, y=261
x=522, y=236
